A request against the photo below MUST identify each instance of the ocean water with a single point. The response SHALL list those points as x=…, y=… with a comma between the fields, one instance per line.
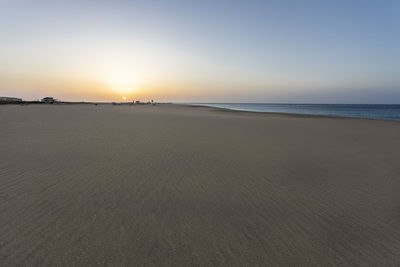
x=367, y=111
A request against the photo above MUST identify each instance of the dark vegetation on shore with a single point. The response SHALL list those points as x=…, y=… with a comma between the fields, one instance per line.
x=44, y=103
x=22, y=103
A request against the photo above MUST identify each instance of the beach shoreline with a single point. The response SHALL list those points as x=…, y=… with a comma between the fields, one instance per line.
x=284, y=113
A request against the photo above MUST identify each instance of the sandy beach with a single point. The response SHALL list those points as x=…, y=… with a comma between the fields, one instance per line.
x=171, y=185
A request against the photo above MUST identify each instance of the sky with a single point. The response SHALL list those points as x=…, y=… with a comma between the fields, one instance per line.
x=278, y=51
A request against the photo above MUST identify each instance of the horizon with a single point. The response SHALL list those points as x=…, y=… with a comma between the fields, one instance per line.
x=277, y=52
x=193, y=102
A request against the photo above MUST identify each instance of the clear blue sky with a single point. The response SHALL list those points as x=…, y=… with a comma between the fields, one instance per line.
x=214, y=51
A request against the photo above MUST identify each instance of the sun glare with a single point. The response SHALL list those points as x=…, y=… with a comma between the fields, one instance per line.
x=123, y=83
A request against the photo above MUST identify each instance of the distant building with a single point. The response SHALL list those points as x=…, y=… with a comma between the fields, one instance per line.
x=10, y=99
x=48, y=100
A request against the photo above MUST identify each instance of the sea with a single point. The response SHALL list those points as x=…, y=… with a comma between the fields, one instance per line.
x=366, y=111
